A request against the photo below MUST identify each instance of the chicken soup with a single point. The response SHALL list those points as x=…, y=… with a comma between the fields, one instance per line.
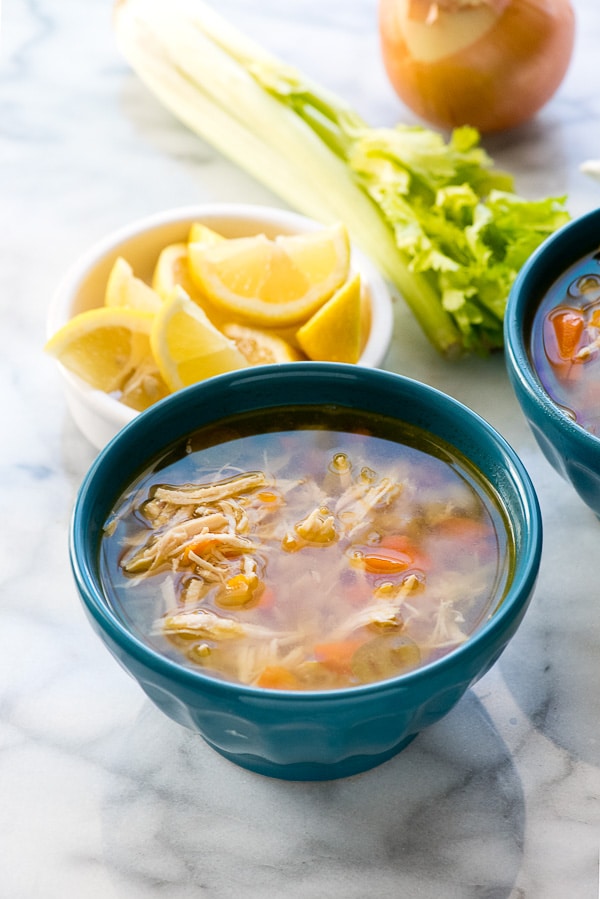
x=307, y=549
x=565, y=342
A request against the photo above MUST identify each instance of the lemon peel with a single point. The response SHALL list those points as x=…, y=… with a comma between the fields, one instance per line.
x=333, y=333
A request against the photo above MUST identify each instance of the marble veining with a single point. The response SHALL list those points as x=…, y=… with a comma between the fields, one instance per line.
x=101, y=796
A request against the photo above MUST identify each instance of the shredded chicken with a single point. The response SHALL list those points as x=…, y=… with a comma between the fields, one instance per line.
x=588, y=350
x=203, y=623
x=173, y=541
x=357, y=505
x=220, y=548
x=193, y=592
x=447, y=630
x=318, y=528
x=385, y=610
x=208, y=625
x=192, y=494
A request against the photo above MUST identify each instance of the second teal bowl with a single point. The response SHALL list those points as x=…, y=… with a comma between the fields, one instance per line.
x=572, y=451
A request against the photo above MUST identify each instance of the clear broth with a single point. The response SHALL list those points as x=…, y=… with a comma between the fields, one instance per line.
x=375, y=550
x=565, y=342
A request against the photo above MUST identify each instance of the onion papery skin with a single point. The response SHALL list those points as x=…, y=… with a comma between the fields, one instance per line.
x=499, y=81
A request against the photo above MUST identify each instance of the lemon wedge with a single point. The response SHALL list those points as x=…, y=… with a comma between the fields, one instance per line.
x=104, y=346
x=123, y=288
x=200, y=233
x=259, y=347
x=333, y=333
x=274, y=282
x=187, y=346
x=172, y=270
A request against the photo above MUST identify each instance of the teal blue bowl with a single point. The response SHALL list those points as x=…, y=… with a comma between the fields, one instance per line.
x=305, y=735
x=571, y=450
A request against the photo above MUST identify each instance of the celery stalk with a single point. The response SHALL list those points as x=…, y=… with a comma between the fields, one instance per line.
x=317, y=154
x=218, y=100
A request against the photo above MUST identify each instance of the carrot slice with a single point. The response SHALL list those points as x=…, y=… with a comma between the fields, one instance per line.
x=337, y=655
x=380, y=560
x=403, y=544
x=568, y=325
x=390, y=562
x=276, y=677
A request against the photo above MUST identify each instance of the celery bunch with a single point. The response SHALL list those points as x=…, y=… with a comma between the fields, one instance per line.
x=443, y=225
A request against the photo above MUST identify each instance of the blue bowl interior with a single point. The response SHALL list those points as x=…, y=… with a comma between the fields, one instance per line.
x=560, y=251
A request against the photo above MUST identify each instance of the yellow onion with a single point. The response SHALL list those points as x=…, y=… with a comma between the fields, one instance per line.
x=491, y=64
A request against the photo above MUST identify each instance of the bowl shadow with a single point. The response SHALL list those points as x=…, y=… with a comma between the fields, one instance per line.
x=552, y=667
x=180, y=814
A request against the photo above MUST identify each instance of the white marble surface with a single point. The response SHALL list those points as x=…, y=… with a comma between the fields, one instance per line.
x=100, y=796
